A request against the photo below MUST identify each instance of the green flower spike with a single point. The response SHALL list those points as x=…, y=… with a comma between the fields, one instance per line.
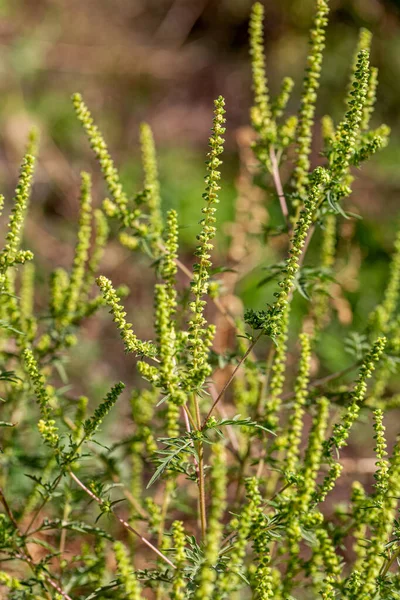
x=81, y=251
x=131, y=342
x=308, y=99
x=200, y=336
x=46, y=425
x=130, y=583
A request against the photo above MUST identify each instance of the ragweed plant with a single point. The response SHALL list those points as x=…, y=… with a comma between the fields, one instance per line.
x=224, y=482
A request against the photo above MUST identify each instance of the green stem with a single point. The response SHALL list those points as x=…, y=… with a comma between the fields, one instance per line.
x=200, y=451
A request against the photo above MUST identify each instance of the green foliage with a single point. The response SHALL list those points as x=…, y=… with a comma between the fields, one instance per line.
x=225, y=491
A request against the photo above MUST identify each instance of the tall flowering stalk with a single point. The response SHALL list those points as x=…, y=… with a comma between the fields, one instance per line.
x=200, y=334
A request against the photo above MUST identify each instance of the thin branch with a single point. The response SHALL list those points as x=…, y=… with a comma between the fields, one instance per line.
x=279, y=188
x=201, y=478
x=8, y=510
x=122, y=521
x=232, y=376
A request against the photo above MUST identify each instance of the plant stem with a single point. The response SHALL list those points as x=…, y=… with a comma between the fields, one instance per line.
x=386, y=566
x=200, y=451
x=279, y=189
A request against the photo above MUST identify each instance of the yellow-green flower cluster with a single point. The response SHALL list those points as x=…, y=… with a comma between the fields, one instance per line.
x=241, y=525
x=59, y=282
x=120, y=204
x=131, y=342
x=11, y=251
x=383, y=313
x=142, y=403
x=154, y=514
x=382, y=464
x=201, y=335
x=341, y=430
x=100, y=149
x=295, y=423
x=313, y=455
x=168, y=377
x=381, y=523
x=347, y=131
x=309, y=97
x=328, y=252
x=28, y=323
x=263, y=580
x=76, y=279
x=152, y=184
x=330, y=560
x=363, y=43
x=165, y=307
x=282, y=99
x=273, y=402
x=261, y=111
x=100, y=241
x=179, y=584
x=46, y=425
x=359, y=502
x=328, y=131
x=130, y=583
x=218, y=482
x=9, y=581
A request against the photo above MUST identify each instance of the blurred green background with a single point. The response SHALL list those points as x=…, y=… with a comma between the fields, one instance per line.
x=164, y=61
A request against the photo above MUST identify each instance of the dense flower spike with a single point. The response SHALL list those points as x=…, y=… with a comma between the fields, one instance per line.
x=132, y=343
x=364, y=43
x=120, y=207
x=81, y=250
x=347, y=131
x=100, y=241
x=46, y=425
x=241, y=525
x=179, y=584
x=200, y=335
x=308, y=99
x=132, y=589
x=295, y=426
x=261, y=112
x=383, y=313
x=59, y=282
x=101, y=151
x=9, y=254
x=313, y=456
x=151, y=182
x=28, y=322
x=341, y=430
x=169, y=378
x=328, y=253
x=207, y=573
x=281, y=101
x=273, y=400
